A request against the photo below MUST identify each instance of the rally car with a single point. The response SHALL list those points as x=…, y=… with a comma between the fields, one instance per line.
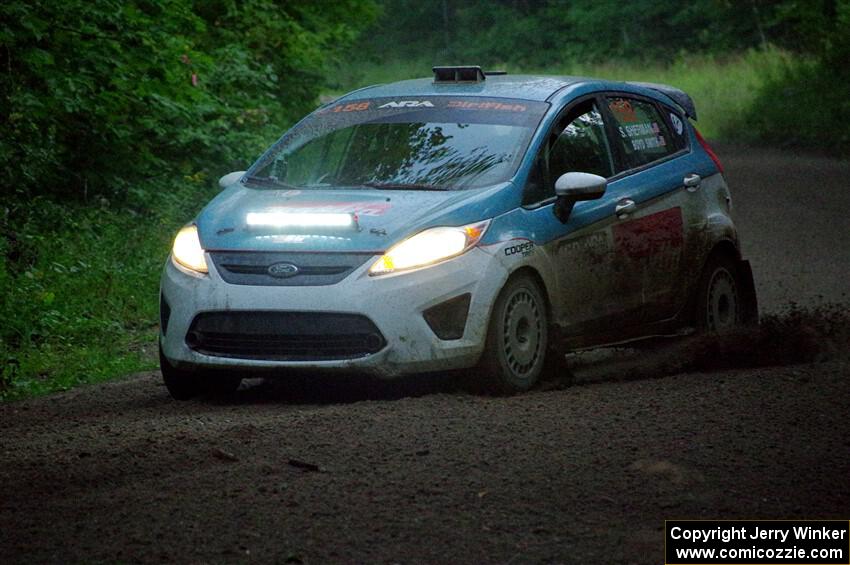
x=470, y=220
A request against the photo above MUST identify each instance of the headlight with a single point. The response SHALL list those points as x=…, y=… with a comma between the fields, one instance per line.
x=187, y=250
x=429, y=247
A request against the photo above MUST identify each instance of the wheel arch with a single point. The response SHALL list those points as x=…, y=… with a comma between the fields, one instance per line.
x=729, y=249
x=725, y=248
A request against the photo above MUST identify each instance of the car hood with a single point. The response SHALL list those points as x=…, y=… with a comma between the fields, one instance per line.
x=383, y=217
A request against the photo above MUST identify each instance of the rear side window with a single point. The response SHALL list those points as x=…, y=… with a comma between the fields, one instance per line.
x=643, y=135
x=677, y=126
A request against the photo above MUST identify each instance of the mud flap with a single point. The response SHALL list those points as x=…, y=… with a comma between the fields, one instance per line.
x=748, y=290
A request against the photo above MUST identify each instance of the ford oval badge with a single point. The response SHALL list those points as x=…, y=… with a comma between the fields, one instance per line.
x=283, y=270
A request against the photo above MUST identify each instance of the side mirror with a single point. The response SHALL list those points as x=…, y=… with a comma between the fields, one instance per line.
x=575, y=187
x=230, y=178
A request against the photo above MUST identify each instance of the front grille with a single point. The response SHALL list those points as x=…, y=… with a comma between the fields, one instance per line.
x=263, y=270
x=284, y=336
x=308, y=269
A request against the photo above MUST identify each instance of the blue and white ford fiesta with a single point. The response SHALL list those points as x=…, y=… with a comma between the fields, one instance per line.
x=473, y=220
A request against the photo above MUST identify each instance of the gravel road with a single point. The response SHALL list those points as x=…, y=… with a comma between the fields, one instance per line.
x=417, y=472
x=793, y=215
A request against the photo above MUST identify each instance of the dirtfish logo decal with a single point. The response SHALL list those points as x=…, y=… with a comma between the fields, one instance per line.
x=408, y=104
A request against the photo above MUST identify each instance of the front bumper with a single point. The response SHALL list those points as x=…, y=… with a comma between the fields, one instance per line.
x=393, y=303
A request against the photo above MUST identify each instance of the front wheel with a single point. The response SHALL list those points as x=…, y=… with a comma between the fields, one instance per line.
x=182, y=385
x=517, y=339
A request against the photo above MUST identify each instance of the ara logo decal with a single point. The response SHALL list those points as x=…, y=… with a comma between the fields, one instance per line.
x=525, y=248
x=408, y=104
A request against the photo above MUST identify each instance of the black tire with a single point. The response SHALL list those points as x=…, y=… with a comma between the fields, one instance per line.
x=720, y=305
x=182, y=385
x=556, y=368
x=517, y=339
x=223, y=385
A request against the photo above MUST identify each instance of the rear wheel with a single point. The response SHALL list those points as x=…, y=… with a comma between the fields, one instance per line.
x=720, y=299
x=517, y=339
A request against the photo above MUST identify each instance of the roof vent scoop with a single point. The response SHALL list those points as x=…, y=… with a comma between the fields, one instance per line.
x=459, y=74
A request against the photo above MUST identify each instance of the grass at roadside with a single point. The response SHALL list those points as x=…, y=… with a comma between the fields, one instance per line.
x=79, y=285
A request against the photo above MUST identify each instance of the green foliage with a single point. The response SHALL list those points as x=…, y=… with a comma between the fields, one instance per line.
x=750, y=65
x=804, y=101
x=102, y=94
x=79, y=288
x=555, y=32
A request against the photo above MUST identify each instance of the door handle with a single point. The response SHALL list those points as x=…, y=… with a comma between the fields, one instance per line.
x=624, y=208
x=692, y=182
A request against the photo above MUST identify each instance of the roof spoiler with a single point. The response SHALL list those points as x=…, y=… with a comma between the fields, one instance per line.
x=680, y=97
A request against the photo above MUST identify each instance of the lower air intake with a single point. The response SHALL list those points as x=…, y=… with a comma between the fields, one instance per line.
x=164, y=314
x=284, y=336
x=448, y=319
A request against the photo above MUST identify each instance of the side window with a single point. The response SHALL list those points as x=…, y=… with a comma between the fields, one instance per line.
x=581, y=147
x=643, y=135
x=576, y=144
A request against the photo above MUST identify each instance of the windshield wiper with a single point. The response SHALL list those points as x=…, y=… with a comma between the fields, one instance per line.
x=269, y=181
x=403, y=186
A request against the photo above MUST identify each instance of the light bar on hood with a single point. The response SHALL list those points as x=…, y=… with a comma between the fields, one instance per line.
x=301, y=220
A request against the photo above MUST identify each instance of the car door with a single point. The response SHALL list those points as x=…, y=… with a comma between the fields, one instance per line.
x=589, y=298
x=653, y=206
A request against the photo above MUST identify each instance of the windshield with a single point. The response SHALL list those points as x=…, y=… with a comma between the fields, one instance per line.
x=430, y=143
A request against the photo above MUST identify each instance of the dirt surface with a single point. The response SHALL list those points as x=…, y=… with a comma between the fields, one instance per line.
x=315, y=471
